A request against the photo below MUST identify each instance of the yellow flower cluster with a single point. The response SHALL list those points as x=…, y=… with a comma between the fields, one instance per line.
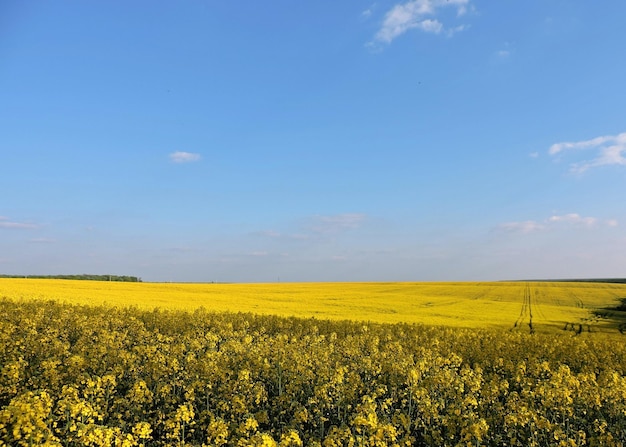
x=102, y=376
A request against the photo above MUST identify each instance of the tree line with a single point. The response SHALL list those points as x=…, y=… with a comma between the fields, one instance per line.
x=119, y=278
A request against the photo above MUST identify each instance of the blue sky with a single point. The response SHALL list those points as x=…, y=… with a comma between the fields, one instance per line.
x=313, y=141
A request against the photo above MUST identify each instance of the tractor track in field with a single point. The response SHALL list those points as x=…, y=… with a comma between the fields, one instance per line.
x=537, y=305
x=527, y=311
x=579, y=326
x=579, y=302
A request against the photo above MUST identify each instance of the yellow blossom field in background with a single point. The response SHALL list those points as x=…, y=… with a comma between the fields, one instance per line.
x=535, y=306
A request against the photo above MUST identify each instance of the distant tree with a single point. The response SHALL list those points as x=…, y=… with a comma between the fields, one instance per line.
x=86, y=277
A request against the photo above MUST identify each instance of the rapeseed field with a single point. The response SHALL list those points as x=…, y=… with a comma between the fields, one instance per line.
x=86, y=363
x=535, y=306
x=73, y=375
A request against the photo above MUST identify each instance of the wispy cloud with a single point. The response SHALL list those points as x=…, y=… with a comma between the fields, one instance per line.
x=575, y=219
x=336, y=223
x=5, y=222
x=368, y=12
x=318, y=226
x=505, y=51
x=524, y=227
x=608, y=150
x=259, y=254
x=268, y=233
x=553, y=222
x=42, y=240
x=183, y=250
x=423, y=15
x=184, y=157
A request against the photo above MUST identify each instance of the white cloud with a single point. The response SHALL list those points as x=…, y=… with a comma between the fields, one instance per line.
x=184, y=157
x=417, y=14
x=457, y=29
x=504, y=53
x=8, y=224
x=575, y=219
x=609, y=150
x=553, y=222
x=534, y=155
x=430, y=26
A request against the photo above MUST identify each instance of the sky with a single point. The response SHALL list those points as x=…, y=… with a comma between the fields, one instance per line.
x=419, y=140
